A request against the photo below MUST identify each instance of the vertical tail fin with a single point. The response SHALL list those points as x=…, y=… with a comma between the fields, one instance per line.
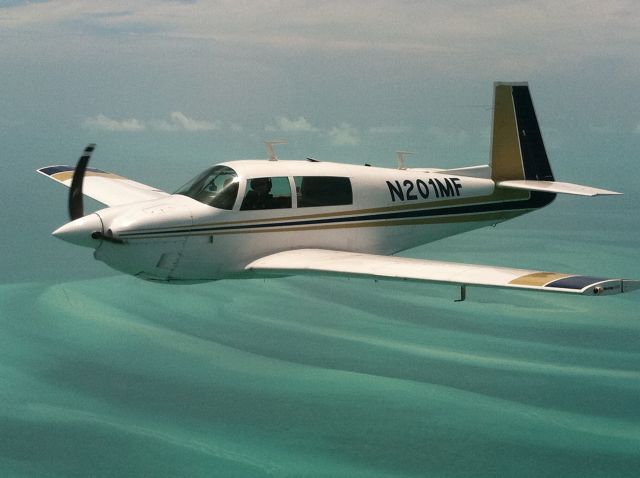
x=517, y=149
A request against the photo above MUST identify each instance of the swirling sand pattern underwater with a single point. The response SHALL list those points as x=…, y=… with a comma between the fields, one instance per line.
x=318, y=377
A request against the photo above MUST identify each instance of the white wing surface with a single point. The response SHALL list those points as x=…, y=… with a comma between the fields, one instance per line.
x=320, y=261
x=107, y=188
x=555, y=187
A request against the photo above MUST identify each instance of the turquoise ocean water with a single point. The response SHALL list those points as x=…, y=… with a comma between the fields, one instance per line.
x=302, y=376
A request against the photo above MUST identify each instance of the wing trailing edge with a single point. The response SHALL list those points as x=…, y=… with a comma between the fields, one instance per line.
x=320, y=261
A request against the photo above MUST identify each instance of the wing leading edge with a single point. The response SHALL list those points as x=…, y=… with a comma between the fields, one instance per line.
x=319, y=261
x=107, y=188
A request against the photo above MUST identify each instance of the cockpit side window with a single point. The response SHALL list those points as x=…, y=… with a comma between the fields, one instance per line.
x=267, y=193
x=217, y=187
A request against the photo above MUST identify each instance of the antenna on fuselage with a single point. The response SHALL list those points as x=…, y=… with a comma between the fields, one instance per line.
x=401, y=155
x=270, y=151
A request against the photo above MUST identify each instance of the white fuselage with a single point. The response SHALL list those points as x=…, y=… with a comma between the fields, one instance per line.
x=389, y=210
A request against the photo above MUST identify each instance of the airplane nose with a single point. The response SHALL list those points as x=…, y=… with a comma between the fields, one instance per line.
x=81, y=231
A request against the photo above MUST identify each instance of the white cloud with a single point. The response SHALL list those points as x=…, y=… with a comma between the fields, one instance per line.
x=177, y=122
x=344, y=135
x=180, y=122
x=101, y=122
x=299, y=125
x=389, y=129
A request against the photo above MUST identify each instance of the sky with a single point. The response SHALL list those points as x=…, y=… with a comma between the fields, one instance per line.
x=167, y=88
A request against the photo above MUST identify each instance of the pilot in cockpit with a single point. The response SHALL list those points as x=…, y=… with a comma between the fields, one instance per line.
x=259, y=196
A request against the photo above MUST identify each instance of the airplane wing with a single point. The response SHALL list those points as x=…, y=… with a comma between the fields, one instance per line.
x=107, y=188
x=320, y=261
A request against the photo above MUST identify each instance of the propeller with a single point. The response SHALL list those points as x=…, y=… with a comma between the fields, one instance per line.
x=76, y=206
x=82, y=230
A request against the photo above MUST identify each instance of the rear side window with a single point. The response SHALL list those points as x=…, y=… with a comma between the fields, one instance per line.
x=316, y=191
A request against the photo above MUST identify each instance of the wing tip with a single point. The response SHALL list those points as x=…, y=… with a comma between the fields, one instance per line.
x=51, y=170
x=630, y=285
x=612, y=287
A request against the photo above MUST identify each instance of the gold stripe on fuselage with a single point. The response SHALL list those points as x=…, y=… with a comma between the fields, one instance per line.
x=497, y=197
x=480, y=217
x=386, y=223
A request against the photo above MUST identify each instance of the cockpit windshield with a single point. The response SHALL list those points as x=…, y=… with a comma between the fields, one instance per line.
x=217, y=187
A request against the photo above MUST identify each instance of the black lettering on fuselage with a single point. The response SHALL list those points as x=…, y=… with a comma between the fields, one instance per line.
x=423, y=189
x=395, y=191
x=457, y=185
x=412, y=190
x=445, y=191
x=409, y=185
x=435, y=189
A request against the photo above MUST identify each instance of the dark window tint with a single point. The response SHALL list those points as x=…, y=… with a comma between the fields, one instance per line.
x=315, y=191
x=267, y=193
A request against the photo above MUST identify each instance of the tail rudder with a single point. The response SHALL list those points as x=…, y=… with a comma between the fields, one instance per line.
x=517, y=148
x=518, y=157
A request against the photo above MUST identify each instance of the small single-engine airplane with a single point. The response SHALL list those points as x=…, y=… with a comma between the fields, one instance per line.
x=268, y=218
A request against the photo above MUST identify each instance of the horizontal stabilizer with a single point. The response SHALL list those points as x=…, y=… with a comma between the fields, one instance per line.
x=320, y=261
x=107, y=188
x=554, y=187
